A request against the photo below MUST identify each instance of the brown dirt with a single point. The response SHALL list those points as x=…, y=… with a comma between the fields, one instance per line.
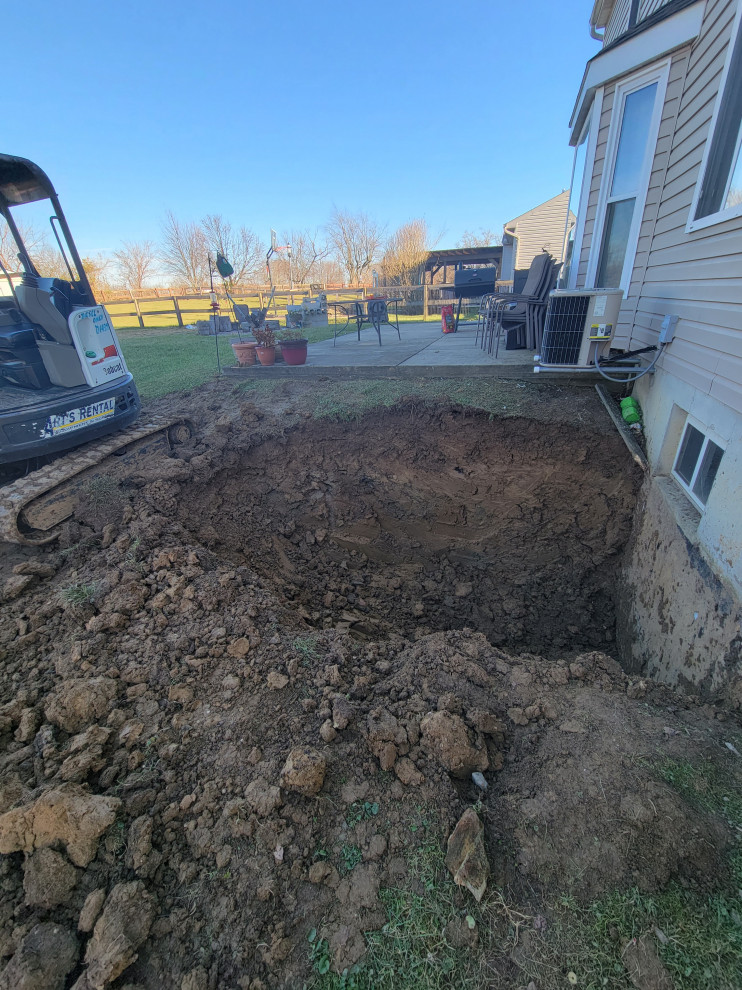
x=196, y=744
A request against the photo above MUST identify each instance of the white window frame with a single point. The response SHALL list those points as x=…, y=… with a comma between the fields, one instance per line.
x=659, y=74
x=707, y=435
x=593, y=123
x=733, y=211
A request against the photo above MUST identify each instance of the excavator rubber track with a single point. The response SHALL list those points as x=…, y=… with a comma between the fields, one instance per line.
x=32, y=508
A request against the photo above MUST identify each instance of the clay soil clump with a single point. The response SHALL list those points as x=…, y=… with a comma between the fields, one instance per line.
x=300, y=648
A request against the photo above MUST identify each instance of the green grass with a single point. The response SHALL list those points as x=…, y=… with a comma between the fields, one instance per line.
x=411, y=951
x=350, y=401
x=173, y=362
x=700, y=940
x=79, y=594
x=706, y=786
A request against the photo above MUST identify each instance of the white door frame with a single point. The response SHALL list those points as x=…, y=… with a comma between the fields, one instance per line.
x=658, y=73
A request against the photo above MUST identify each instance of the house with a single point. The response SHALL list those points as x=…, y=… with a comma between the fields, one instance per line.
x=541, y=229
x=657, y=192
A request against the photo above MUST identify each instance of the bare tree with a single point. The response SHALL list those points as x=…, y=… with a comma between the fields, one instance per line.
x=405, y=253
x=241, y=247
x=98, y=268
x=184, y=252
x=484, y=237
x=33, y=240
x=357, y=240
x=135, y=262
x=308, y=251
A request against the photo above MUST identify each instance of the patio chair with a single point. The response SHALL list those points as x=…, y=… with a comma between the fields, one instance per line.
x=483, y=314
x=378, y=315
x=526, y=324
x=515, y=311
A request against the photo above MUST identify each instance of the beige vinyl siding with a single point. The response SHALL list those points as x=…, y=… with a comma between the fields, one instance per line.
x=541, y=228
x=698, y=275
x=618, y=22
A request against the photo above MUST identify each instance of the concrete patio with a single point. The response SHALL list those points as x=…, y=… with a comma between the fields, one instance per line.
x=422, y=351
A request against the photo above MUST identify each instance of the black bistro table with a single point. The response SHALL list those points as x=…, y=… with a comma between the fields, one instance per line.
x=362, y=311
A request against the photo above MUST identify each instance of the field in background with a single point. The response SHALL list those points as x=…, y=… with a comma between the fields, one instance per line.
x=180, y=311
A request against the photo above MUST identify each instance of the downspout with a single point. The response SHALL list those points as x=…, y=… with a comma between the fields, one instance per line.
x=594, y=34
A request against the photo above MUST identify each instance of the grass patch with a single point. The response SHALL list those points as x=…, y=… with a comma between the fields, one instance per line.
x=101, y=491
x=174, y=362
x=411, y=952
x=350, y=401
x=699, y=940
x=698, y=937
x=74, y=595
x=307, y=649
x=706, y=786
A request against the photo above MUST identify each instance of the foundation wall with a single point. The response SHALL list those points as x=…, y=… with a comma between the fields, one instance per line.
x=677, y=621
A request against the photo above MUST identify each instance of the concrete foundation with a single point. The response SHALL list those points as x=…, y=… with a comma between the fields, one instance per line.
x=677, y=622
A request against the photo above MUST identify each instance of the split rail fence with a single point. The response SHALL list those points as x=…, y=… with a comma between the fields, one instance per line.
x=158, y=311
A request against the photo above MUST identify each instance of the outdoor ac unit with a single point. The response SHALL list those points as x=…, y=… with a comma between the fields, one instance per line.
x=579, y=325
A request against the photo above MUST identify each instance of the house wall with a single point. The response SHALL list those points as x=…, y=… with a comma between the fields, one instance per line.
x=618, y=21
x=683, y=581
x=541, y=229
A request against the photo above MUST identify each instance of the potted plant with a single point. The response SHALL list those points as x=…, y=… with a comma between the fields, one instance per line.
x=266, y=349
x=244, y=351
x=294, y=346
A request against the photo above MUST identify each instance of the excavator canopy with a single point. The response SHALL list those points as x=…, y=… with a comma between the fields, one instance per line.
x=23, y=182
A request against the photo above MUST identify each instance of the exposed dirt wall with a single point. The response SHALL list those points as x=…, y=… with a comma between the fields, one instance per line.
x=416, y=520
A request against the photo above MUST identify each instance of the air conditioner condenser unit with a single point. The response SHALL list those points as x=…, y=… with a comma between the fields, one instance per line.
x=579, y=326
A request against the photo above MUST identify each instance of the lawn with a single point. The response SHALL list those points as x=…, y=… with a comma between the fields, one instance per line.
x=164, y=362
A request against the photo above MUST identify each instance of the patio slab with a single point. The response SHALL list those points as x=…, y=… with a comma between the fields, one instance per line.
x=423, y=351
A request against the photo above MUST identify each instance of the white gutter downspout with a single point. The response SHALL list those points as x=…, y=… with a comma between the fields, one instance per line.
x=594, y=34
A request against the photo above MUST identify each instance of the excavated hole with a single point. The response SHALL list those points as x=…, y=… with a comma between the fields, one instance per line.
x=409, y=523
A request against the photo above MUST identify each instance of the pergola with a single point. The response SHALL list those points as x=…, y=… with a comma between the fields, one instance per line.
x=456, y=258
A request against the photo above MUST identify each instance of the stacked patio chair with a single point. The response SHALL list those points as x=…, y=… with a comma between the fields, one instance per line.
x=520, y=316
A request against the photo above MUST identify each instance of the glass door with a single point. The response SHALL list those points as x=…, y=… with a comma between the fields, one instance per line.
x=627, y=184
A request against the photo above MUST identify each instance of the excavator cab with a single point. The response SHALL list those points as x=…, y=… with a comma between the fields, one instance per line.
x=63, y=378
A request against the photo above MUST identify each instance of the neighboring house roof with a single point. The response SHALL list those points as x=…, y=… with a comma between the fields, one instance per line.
x=511, y=225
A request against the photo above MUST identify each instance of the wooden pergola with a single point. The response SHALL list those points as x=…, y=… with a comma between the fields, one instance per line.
x=456, y=258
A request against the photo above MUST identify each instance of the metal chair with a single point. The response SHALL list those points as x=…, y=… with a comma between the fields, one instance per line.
x=378, y=314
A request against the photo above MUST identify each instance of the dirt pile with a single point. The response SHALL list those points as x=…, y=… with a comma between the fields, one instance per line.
x=194, y=776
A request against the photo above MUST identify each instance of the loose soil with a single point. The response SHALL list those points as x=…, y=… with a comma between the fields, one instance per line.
x=242, y=699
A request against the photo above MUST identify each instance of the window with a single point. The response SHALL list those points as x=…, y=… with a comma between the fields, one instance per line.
x=719, y=193
x=637, y=106
x=697, y=463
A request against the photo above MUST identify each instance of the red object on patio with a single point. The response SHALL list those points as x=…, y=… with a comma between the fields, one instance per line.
x=447, y=319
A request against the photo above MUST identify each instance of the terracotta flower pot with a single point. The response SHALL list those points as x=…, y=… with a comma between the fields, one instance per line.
x=266, y=355
x=245, y=353
x=294, y=351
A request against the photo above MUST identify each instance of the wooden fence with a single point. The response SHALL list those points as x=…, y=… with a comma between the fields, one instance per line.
x=182, y=311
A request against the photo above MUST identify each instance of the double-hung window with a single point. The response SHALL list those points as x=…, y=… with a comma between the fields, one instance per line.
x=637, y=110
x=718, y=194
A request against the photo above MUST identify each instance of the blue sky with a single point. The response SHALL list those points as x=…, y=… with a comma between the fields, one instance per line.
x=271, y=112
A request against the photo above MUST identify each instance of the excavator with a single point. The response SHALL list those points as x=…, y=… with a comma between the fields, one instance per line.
x=68, y=403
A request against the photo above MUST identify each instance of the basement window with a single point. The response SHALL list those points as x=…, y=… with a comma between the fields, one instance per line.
x=697, y=463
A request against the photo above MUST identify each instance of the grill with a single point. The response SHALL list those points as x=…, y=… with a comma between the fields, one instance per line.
x=564, y=328
x=470, y=283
